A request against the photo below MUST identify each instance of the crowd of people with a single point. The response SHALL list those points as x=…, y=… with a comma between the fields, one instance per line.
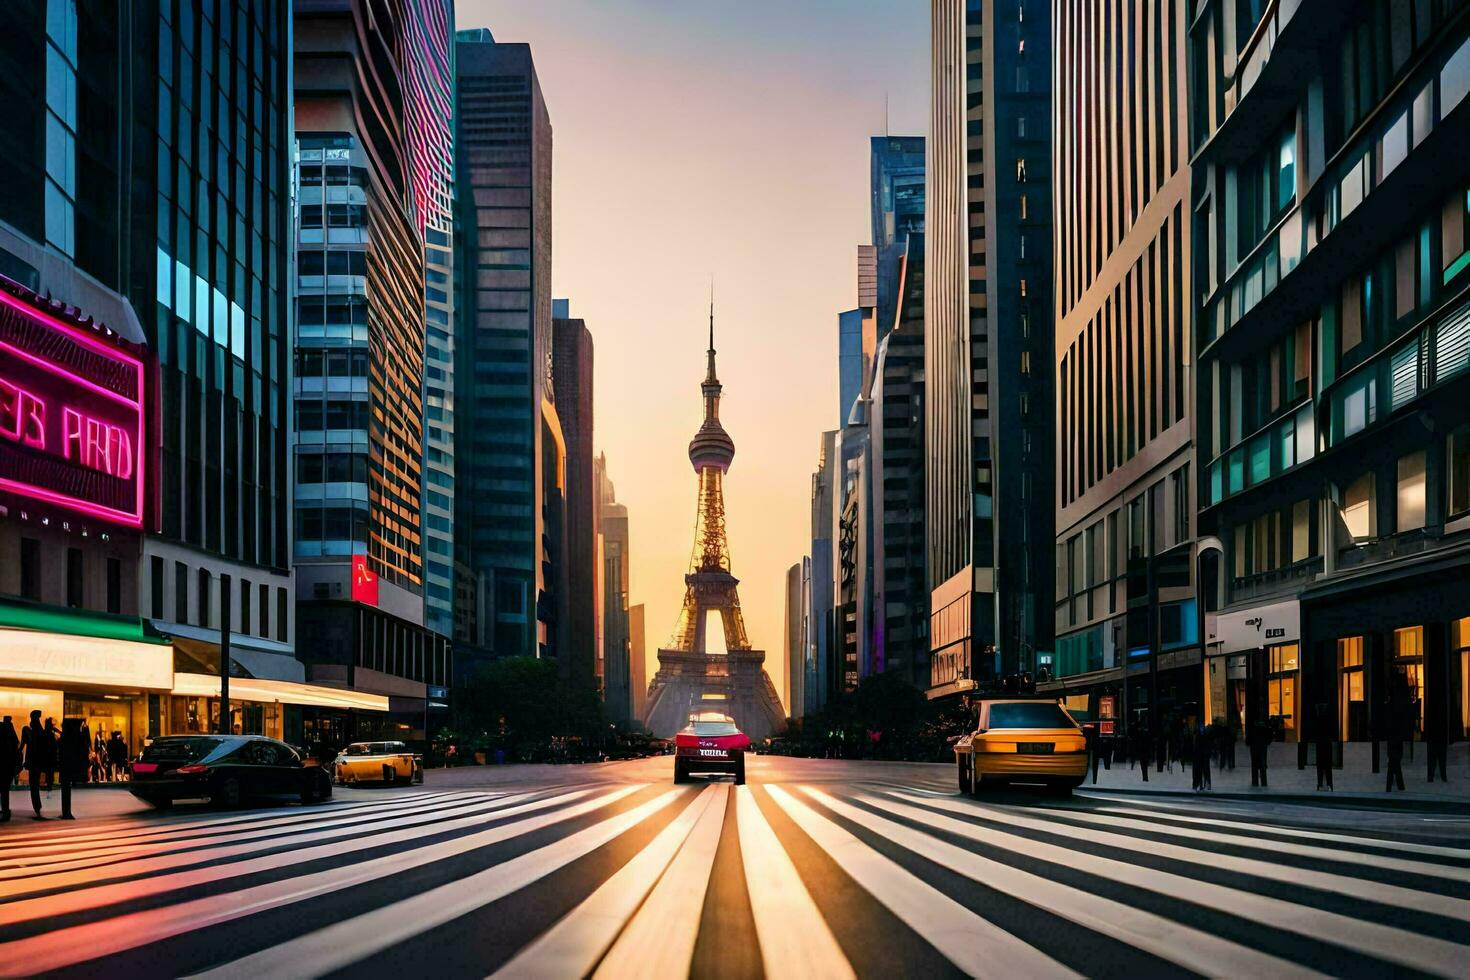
x=51, y=757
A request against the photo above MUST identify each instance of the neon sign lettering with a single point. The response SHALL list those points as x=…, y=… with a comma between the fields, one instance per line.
x=71, y=415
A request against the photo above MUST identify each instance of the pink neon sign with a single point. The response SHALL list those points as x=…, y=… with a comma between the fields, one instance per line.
x=71, y=416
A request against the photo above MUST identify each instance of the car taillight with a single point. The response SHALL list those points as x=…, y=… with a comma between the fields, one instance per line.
x=144, y=768
x=192, y=770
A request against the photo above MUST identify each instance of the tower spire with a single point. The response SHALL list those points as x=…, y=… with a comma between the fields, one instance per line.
x=711, y=375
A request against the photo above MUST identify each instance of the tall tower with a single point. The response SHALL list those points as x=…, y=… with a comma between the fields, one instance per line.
x=690, y=677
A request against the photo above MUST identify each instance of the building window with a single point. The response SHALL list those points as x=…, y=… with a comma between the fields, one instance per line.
x=281, y=615
x=30, y=569
x=1411, y=492
x=1301, y=530
x=1460, y=663
x=1408, y=667
x=265, y=610
x=114, y=585
x=1352, y=700
x=1025, y=362
x=155, y=578
x=74, y=577
x=1358, y=510
x=1181, y=504
x=205, y=587
x=1021, y=127
x=1281, y=686
x=1459, y=472
x=181, y=592
x=245, y=606
x=1021, y=170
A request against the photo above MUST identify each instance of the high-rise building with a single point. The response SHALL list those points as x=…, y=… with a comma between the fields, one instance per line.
x=571, y=369
x=507, y=430
x=638, y=665
x=1127, y=647
x=615, y=652
x=1331, y=307
x=897, y=188
x=360, y=343
x=821, y=667
x=429, y=115
x=156, y=217
x=849, y=362
x=900, y=594
x=987, y=384
x=793, y=672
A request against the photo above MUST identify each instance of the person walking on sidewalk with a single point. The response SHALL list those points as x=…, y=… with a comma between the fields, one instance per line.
x=9, y=764
x=1141, y=742
x=1203, y=751
x=1438, y=750
x=1322, y=735
x=1258, y=740
x=73, y=760
x=39, y=749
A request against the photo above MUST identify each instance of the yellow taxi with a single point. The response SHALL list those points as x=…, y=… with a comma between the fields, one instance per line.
x=377, y=762
x=1023, y=740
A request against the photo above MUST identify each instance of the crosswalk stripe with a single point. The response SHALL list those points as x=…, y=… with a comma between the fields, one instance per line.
x=794, y=938
x=972, y=943
x=1338, y=855
x=30, y=866
x=573, y=946
x=350, y=941
x=1352, y=887
x=1437, y=850
x=98, y=896
x=64, y=947
x=153, y=864
x=153, y=824
x=659, y=940
x=1373, y=939
x=1190, y=948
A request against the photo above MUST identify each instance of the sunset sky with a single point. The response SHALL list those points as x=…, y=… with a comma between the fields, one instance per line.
x=729, y=139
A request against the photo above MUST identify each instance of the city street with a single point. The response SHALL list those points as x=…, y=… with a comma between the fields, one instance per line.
x=814, y=868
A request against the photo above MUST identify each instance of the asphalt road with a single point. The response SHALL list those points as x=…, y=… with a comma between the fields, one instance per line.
x=815, y=868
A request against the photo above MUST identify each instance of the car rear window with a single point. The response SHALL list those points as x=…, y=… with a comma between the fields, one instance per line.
x=1040, y=714
x=357, y=749
x=181, y=750
x=712, y=728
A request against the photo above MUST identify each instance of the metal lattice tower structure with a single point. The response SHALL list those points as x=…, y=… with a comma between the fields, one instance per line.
x=689, y=676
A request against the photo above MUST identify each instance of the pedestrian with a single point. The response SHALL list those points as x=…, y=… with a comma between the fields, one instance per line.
x=1203, y=751
x=55, y=734
x=9, y=764
x=72, y=757
x=1089, y=732
x=1438, y=750
x=117, y=755
x=37, y=748
x=1226, y=734
x=1141, y=742
x=1322, y=734
x=1258, y=740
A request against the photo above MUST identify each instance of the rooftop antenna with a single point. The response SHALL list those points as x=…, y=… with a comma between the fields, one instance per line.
x=711, y=312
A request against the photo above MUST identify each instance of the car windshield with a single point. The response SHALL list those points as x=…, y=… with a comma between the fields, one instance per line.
x=1036, y=714
x=396, y=747
x=358, y=749
x=182, y=750
x=715, y=728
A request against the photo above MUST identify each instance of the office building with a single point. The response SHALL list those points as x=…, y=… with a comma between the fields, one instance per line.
x=615, y=651
x=897, y=189
x=1127, y=646
x=798, y=592
x=638, y=664
x=1332, y=329
x=987, y=314
x=359, y=379
x=507, y=430
x=155, y=221
x=821, y=666
x=571, y=369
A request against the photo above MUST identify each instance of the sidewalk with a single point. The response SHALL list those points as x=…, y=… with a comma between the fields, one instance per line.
x=1354, y=782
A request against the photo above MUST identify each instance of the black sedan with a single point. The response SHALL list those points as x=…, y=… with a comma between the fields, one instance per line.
x=226, y=770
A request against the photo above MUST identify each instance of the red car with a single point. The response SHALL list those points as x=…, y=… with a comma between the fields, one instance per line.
x=710, y=743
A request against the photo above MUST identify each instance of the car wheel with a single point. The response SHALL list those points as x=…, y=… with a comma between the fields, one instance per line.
x=418, y=775
x=158, y=802
x=226, y=793
x=740, y=772
x=681, y=774
x=965, y=779
x=390, y=775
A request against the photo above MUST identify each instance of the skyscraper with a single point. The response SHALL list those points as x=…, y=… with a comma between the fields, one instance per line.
x=616, y=659
x=571, y=369
x=155, y=216
x=360, y=341
x=507, y=425
x=429, y=116
x=821, y=668
x=793, y=671
x=638, y=665
x=1127, y=628
x=988, y=392
x=1331, y=280
x=897, y=189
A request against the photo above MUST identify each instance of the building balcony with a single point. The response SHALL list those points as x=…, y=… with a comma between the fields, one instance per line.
x=1285, y=580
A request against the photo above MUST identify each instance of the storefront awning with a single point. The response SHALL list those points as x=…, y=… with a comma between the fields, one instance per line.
x=279, y=692
x=69, y=661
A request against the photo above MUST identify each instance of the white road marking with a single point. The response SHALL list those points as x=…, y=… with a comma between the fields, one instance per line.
x=353, y=940
x=975, y=945
x=794, y=938
x=572, y=947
